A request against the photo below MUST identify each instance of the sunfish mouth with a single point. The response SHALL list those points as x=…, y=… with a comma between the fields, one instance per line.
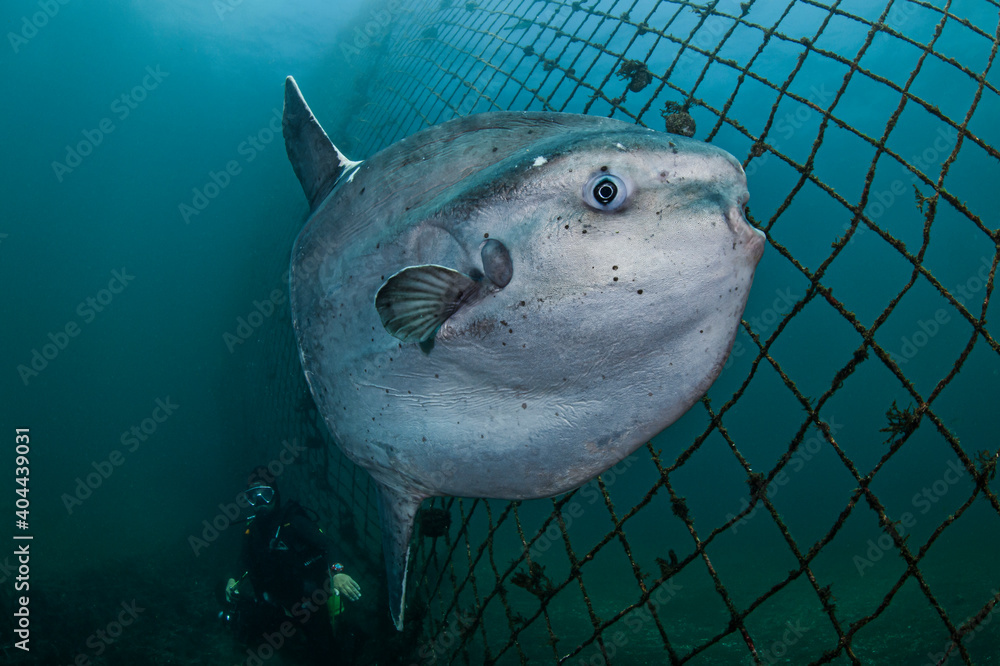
x=754, y=239
x=746, y=234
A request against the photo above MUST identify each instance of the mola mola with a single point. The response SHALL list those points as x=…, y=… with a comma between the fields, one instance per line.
x=505, y=305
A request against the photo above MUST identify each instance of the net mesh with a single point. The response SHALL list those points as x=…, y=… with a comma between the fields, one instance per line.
x=829, y=500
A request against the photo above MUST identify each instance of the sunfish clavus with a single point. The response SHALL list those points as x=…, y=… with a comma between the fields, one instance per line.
x=507, y=304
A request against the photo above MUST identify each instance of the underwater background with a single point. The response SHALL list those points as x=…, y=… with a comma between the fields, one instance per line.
x=833, y=500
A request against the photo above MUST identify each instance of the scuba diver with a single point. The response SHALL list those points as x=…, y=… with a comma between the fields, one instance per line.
x=291, y=583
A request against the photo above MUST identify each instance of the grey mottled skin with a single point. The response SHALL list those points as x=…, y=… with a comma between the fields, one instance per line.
x=611, y=326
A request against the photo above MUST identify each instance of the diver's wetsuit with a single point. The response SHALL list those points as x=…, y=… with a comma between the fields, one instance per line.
x=288, y=558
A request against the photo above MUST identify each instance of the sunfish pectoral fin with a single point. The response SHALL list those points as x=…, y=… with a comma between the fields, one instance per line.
x=317, y=162
x=414, y=302
x=396, y=510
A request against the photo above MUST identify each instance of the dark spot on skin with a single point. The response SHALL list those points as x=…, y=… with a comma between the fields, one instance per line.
x=604, y=168
x=523, y=303
x=524, y=405
x=614, y=268
x=663, y=174
x=615, y=279
x=486, y=235
x=638, y=292
x=510, y=330
x=494, y=149
x=436, y=375
x=584, y=231
x=362, y=190
x=566, y=227
x=423, y=439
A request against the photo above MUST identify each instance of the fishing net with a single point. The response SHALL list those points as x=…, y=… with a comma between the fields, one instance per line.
x=830, y=499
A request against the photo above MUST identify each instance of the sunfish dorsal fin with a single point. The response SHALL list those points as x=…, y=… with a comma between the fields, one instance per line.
x=317, y=162
x=396, y=510
x=414, y=302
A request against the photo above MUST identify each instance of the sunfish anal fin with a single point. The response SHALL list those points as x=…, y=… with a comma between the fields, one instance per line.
x=396, y=511
x=414, y=302
x=317, y=162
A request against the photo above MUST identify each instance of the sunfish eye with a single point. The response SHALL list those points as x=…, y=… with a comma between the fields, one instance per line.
x=605, y=192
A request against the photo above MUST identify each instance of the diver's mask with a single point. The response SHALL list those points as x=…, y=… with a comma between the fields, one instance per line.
x=259, y=497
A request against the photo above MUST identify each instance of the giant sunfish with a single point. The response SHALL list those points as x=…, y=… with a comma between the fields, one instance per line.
x=506, y=305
